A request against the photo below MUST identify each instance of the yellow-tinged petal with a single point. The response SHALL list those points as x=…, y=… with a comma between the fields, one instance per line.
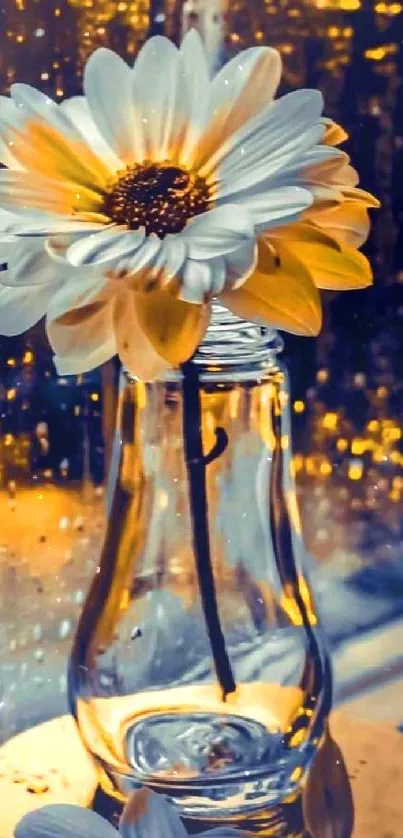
x=279, y=293
x=40, y=148
x=174, y=327
x=304, y=231
x=334, y=134
x=348, y=222
x=362, y=197
x=343, y=270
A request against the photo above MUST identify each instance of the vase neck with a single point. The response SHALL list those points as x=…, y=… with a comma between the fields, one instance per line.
x=231, y=341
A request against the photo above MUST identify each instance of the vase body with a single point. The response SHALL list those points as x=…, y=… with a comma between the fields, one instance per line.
x=145, y=686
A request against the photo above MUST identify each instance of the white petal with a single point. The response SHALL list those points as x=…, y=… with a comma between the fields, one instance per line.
x=135, y=351
x=21, y=308
x=82, y=339
x=170, y=258
x=42, y=224
x=107, y=247
x=193, y=99
x=64, y=821
x=154, y=84
x=78, y=292
x=34, y=104
x=107, y=86
x=29, y=264
x=239, y=92
x=240, y=264
x=276, y=206
x=285, y=128
x=298, y=172
x=145, y=257
x=77, y=108
x=218, y=232
x=148, y=814
x=6, y=157
x=196, y=281
x=259, y=68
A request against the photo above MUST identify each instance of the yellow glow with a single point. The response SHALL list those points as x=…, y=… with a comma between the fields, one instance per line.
x=373, y=425
x=391, y=434
x=342, y=444
x=355, y=470
x=382, y=392
x=28, y=357
x=94, y=397
x=11, y=362
x=8, y=440
x=44, y=76
x=297, y=464
x=359, y=446
x=325, y=468
x=20, y=39
x=394, y=495
x=330, y=421
x=299, y=406
x=11, y=394
x=397, y=483
x=322, y=376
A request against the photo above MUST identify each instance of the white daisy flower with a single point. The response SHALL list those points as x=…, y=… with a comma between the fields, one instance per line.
x=125, y=211
x=146, y=815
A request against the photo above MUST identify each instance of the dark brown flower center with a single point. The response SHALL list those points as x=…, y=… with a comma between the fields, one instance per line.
x=158, y=196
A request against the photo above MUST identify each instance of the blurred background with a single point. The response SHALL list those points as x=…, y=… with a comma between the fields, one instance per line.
x=347, y=386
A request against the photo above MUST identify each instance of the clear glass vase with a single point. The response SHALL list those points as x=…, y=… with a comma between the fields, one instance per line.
x=199, y=668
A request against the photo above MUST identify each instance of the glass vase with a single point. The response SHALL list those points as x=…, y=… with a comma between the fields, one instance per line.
x=199, y=667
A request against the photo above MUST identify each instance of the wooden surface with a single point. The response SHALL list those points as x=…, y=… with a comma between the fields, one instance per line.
x=48, y=764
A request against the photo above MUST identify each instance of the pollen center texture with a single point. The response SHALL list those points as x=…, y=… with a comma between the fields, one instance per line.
x=158, y=196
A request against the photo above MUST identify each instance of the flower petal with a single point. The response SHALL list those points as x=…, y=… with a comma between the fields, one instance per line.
x=78, y=110
x=334, y=133
x=148, y=814
x=21, y=308
x=268, y=143
x=193, y=96
x=282, y=296
x=174, y=327
x=240, y=264
x=80, y=291
x=29, y=264
x=347, y=222
x=39, y=147
x=154, y=85
x=42, y=224
x=202, y=280
x=218, y=232
x=106, y=247
x=23, y=194
x=337, y=270
x=107, y=86
x=83, y=338
x=136, y=352
x=62, y=820
x=364, y=198
x=243, y=87
x=196, y=282
x=33, y=104
x=276, y=206
x=169, y=260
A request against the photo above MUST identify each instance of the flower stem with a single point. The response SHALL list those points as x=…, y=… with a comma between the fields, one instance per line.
x=196, y=467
